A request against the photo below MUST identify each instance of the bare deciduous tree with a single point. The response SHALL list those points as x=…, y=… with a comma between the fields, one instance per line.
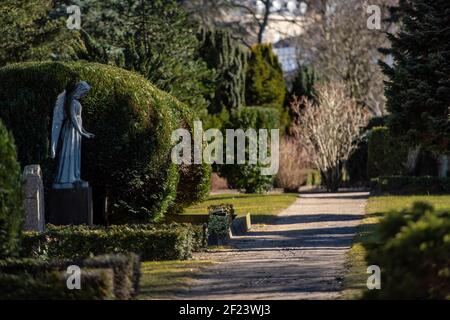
x=342, y=48
x=330, y=130
x=248, y=19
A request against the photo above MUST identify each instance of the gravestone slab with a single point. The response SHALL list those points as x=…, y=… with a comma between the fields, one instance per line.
x=241, y=225
x=71, y=206
x=33, y=199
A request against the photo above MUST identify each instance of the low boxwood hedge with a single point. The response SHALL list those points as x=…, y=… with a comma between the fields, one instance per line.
x=102, y=277
x=97, y=285
x=404, y=185
x=150, y=242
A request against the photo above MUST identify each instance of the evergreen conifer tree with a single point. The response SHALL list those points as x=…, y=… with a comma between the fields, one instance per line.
x=418, y=89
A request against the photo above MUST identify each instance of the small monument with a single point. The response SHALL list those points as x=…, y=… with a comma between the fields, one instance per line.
x=71, y=197
x=33, y=199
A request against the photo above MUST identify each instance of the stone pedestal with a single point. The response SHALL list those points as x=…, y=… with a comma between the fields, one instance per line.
x=71, y=206
x=33, y=199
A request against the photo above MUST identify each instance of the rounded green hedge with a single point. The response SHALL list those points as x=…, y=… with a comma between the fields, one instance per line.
x=11, y=214
x=129, y=160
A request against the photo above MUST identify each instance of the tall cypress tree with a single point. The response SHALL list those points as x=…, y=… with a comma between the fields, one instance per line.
x=265, y=82
x=303, y=84
x=418, y=89
x=222, y=53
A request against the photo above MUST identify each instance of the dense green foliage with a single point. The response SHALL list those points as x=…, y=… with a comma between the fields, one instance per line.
x=156, y=39
x=304, y=82
x=223, y=54
x=11, y=214
x=129, y=160
x=28, y=32
x=265, y=85
x=102, y=277
x=413, y=250
x=248, y=176
x=150, y=242
x=404, y=185
x=418, y=90
x=386, y=155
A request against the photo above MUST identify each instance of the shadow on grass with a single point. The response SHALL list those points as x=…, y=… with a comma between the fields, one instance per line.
x=355, y=279
x=240, y=196
x=167, y=279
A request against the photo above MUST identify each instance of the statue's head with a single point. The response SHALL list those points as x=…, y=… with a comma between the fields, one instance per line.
x=81, y=89
x=75, y=90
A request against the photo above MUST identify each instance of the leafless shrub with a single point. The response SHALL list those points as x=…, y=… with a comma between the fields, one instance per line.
x=330, y=129
x=294, y=165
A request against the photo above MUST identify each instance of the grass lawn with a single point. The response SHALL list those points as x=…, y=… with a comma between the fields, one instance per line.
x=163, y=279
x=356, y=277
x=261, y=207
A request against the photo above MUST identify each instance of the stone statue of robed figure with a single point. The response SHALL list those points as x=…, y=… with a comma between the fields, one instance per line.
x=67, y=133
x=70, y=197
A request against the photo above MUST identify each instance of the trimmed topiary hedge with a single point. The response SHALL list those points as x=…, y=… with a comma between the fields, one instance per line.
x=413, y=252
x=404, y=185
x=102, y=277
x=11, y=214
x=165, y=242
x=97, y=285
x=386, y=155
x=129, y=159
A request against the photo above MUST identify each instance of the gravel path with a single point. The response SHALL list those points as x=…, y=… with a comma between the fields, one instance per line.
x=300, y=256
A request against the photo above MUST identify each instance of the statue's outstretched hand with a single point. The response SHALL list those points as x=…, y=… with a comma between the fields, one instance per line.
x=89, y=135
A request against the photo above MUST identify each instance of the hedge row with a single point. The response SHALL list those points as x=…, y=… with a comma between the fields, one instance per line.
x=102, y=277
x=404, y=185
x=165, y=242
x=129, y=159
x=413, y=252
x=385, y=155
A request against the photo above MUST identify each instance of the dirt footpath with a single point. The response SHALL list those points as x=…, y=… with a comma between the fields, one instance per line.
x=300, y=256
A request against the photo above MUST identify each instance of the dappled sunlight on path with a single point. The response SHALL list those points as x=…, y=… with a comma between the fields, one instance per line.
x=301, y=255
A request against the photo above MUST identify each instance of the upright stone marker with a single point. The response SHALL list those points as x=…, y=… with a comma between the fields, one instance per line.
x=34, y=199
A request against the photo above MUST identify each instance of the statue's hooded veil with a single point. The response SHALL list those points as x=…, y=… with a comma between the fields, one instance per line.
x=81, y=89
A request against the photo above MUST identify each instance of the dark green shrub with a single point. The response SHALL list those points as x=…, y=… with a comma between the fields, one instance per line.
x=166, y=242
x=129, y=160
x=248, y=176
x=356, y=165
x=413, y=252
x=265, y=84
x=11, y=214
x=386, y=155
x=304, y=82
x=223, y=54
x=404, y=185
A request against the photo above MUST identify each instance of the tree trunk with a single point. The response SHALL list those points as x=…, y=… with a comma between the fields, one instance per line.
x=332, y=179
